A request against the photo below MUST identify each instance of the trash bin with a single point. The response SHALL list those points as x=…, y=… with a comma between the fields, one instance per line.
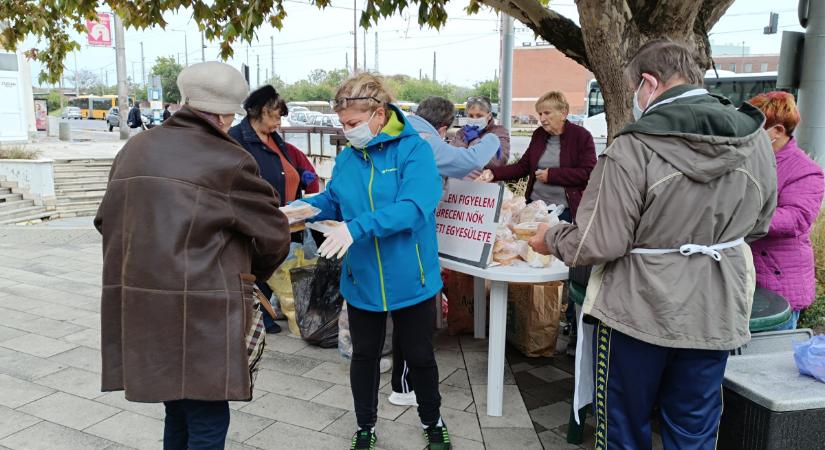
x=65, y=133
x=770, y=311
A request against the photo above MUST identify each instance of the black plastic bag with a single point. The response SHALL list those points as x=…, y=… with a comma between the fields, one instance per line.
x=318, y=301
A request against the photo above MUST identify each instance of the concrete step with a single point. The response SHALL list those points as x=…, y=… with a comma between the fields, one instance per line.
x=84, y=162
x=81, y=172
x=59, y=179
x=8, y=184
x=66, y=193
x=24, y=214
x=5, y=198
x=5, y=190
x=44, y=215
x=76, y=204
x=80, y=185
x=15, y=205
x=88, y=165
x=76, y=212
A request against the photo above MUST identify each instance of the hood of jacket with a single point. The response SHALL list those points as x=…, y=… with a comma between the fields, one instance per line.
x=710, y=140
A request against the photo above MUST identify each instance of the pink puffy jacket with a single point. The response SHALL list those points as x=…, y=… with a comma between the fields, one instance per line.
x=784, y=258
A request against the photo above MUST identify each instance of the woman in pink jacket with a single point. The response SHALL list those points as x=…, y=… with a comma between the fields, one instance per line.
x=784, y=258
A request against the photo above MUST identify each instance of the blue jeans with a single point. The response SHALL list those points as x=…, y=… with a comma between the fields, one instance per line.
x=791, y=324
x=195, y=425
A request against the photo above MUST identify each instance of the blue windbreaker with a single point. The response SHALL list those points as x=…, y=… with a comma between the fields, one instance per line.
x=387, y=194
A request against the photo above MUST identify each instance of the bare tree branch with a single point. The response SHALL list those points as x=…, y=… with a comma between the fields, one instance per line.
x=711, y=11
x=556, y=29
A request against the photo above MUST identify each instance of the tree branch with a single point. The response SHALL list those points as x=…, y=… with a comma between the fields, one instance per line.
x=711, y=11
x=556, y=29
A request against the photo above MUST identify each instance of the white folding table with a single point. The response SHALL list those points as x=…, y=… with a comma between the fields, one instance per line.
x=500, y=276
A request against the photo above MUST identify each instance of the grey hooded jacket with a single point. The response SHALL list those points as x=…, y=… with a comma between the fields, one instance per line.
x=693, y=171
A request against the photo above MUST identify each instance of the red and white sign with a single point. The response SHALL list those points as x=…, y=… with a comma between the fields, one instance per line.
x=466, y=221
x=99, y=32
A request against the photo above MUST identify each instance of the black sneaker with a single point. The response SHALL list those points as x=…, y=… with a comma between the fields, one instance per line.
x=363, y=440
x=438, y=438
x=273, y=328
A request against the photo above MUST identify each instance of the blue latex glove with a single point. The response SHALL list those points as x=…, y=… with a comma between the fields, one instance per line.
x=498, y=153
x=471, y=132
x=308, y=177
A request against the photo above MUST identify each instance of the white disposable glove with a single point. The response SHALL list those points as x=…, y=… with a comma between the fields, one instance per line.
x=486, y=176
x=337, y=242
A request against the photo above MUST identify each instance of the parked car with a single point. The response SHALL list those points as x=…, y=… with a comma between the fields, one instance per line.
x=330, y=120
x=152, y=117
x=302, y=118
x=113, y=118
x=576, y=119
x=71, y=112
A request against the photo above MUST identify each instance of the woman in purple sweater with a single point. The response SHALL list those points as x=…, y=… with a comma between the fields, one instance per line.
x=784, y=258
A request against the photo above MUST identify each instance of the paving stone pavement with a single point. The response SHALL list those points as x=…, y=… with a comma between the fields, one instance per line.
x=50, y=374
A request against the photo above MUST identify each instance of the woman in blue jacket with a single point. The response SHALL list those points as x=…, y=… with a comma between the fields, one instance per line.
x=384, y=190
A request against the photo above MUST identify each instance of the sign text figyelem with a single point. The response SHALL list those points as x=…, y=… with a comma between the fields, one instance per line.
x=466, y=221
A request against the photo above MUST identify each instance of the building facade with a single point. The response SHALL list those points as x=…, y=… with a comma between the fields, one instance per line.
x=747, y=63
x=538, y=69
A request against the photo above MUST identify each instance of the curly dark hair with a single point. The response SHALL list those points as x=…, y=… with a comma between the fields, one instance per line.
x=261, y=99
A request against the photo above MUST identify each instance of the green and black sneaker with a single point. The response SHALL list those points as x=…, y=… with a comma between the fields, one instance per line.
x=438, y=438
x=363, y=440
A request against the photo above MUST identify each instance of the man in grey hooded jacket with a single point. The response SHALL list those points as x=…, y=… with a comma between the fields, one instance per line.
x=666, y=217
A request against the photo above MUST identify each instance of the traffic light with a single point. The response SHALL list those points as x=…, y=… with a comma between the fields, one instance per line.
x=773, y=24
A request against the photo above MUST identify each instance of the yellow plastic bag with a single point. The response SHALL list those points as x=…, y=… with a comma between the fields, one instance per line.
x=281, y=284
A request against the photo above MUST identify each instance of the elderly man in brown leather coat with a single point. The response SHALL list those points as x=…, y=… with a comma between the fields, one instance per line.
x=187, y=225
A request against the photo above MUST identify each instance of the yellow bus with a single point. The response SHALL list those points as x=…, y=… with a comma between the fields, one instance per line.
x=96, y=106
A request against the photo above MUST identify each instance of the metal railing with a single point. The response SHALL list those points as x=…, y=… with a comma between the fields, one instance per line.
x=324, y=142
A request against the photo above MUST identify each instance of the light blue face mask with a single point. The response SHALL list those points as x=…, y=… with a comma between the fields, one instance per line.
x=638, y=112
x=360, y=135
x=480, y=122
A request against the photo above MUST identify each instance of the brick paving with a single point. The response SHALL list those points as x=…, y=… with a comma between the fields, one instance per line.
x=50, y=369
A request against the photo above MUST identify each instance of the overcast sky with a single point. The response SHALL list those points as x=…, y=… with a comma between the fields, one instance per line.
x=467, y=47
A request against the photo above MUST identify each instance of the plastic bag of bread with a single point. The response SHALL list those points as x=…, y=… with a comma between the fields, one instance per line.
x=535, y=259
x=299, y=211
x=534, y=212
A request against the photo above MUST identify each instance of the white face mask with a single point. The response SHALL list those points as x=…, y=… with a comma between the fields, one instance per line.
x=361, y=135
x=638, y=111
x=480, y=122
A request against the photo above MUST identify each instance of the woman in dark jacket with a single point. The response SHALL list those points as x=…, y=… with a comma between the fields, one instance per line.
x=258, y=134
x=558, y=161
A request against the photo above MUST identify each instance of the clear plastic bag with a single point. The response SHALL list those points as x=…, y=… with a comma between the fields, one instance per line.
x=299, y=211
x=810, y=357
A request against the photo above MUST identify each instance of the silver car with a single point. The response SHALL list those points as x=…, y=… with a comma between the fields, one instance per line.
x=71, y=112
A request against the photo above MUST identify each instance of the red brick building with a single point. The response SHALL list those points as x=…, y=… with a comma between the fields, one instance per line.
x=747, y=63
x=538, y=69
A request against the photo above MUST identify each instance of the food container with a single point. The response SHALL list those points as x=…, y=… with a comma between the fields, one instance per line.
x=526, y=230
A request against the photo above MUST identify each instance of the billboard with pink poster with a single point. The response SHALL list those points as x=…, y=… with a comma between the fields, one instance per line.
x=99, y=32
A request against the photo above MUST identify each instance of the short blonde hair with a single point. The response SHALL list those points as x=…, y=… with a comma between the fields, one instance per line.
x=556, y=100
x=364, y=85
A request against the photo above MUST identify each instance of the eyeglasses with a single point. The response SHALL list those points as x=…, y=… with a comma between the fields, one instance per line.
x=478, y=99
x=344, y=102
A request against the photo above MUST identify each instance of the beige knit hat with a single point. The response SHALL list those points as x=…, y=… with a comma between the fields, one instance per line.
x=213, y=87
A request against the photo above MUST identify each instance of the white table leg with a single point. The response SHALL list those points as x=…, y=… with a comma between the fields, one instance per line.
x=480, y=308
x=495, y=354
